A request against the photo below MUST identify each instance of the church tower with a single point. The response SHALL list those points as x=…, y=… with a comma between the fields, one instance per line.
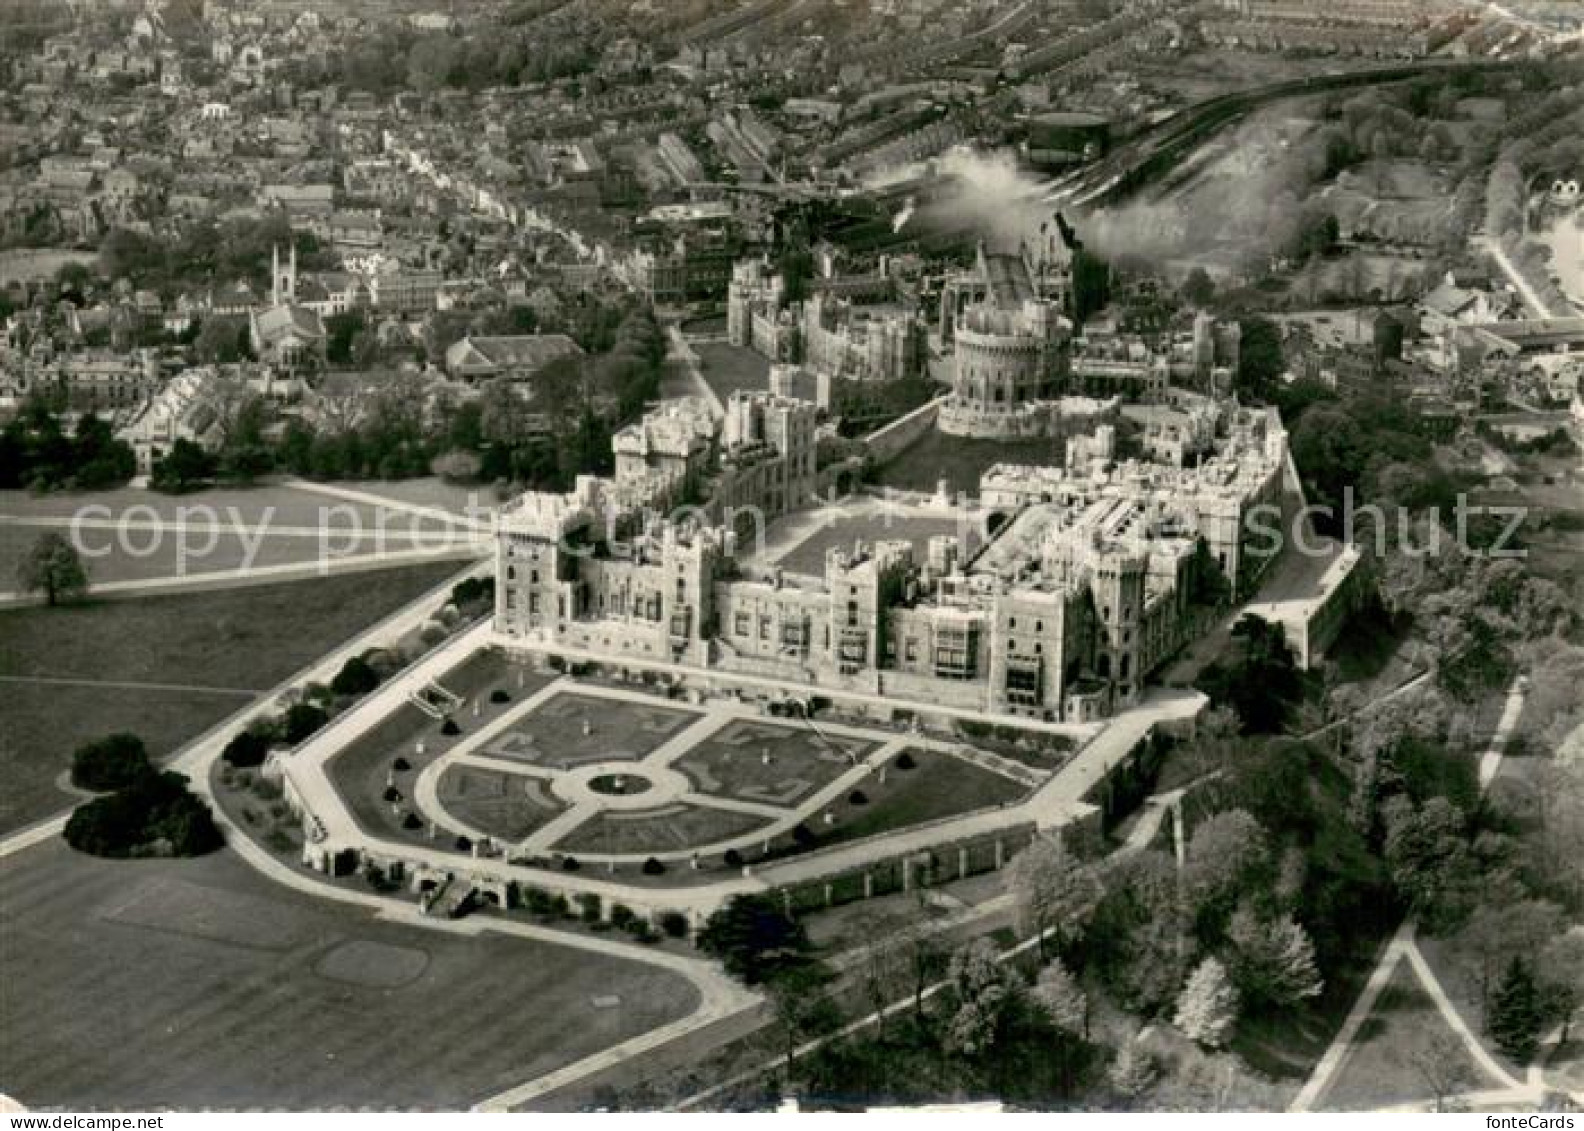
x=283, y=283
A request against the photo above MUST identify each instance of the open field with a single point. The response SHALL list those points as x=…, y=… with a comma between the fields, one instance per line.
x=727, y=368
x=236, y=640
x=428, y=492
x=122, y=537
x=960, y=461
x=552, y=734
x=197, y=983
x=891, y=524
x=731, y=762
x=1400, y=1047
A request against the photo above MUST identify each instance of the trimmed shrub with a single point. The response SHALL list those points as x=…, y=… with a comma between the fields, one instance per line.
x=464, y=844
x=732, y=858
x=653, y=867
x=401, y=765
x=803, y=835
x=905, y=761
x=301, y=720
x=412, y=821
x=450, y=727
x=569, y=863
x=500, y=695
x=392, y=794
x=247, y=749
x=674, y=924
x=857, y=797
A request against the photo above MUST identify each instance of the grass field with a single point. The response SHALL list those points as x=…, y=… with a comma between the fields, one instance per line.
x=199, y=983
x=1402, y=1040
x=730, y=763
x=938, y=786
x=727, y=368
x=552, y=733
x=890, y=525
x=235, y=639
x=960, y=461
x=223, y=530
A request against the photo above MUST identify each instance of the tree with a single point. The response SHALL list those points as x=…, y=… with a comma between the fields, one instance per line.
x=1516, y=1013
x=156, y=815
x=1052, y=890
x=248, y=748
x=110, y=763
x=1275, y=960
x=1561, y=977
x=1198, y=288
x=754, y=938
x=300, y=721
x=1207, y=1009
x=53, y=567
x=186, y=466
x=1443, y=1066
x=1060, y=995
x=983, y=996
x=1134, y=1069
x=1228, y=855
x=1260, y=359
x=356, y=677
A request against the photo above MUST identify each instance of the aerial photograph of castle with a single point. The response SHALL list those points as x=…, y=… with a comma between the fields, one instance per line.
x=791, y=556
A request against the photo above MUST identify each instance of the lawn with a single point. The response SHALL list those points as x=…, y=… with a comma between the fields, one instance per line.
x=222, y=530
x=890, y=524
x=960, y=461
x=672, y=829
x=505, y=806
x=731, y=762
x=939, y=785
x=196, y=983
x=1402, y=1047
x=727, y=368
x=618, y=730
x=234, y=640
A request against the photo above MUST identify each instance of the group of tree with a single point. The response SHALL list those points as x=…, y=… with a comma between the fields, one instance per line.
x=142, y=811
x=37, y=453
x=210, y=252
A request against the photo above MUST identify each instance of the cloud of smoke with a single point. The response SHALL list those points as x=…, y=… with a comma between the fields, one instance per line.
x=1243, y=193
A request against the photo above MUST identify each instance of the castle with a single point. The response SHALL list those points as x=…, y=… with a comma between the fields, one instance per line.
x=835, y=335
x=1084, y=586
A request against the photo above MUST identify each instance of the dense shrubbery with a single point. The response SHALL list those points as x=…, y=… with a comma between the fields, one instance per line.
x=110, y=763
x=156, y=815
